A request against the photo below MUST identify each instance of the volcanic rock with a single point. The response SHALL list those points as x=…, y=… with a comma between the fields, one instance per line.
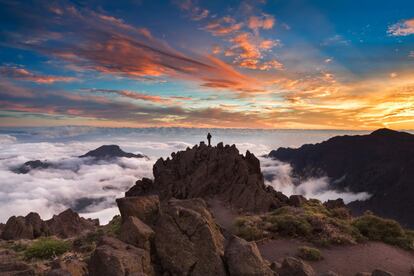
x=187, y=240
x=334, y=204
x=113, y=257
x=243, y=258
x=29, y=227
x=106, y=152
x=295, y=267
x=69, y=224
x=134, y=231
x=380, y=164
x=146, y=208
x=208, y=172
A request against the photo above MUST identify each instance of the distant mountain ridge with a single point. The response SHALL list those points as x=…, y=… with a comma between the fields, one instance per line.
x=380, y=163
x=103, y=153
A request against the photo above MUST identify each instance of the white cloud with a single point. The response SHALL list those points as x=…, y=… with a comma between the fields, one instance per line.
x=318, y=188
x=6, y=139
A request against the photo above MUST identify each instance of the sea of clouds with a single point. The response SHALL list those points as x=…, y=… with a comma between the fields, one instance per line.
x=91, y=188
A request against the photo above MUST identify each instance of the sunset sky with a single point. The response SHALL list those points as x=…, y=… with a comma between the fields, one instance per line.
x=244, y=64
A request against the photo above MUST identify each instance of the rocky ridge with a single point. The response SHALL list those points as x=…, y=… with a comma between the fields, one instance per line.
x=212, y=172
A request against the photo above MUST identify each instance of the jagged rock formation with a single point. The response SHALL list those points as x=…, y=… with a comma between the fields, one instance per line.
x=66, y=224
x=106, y=152
x=210, y=172
x=69, y=224
x=381, y=163
x=182, y=238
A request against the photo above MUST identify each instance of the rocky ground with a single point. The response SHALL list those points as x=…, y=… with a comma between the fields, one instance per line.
x=207, y=212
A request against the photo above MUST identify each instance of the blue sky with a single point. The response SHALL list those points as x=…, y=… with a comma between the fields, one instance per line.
x=245, y=64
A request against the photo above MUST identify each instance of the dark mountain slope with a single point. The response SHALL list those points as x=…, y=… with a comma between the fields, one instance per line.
x=381, y=163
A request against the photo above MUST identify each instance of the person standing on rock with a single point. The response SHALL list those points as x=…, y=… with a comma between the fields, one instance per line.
x=209, y=139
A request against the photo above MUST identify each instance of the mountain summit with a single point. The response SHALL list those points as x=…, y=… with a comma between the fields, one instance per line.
x=110, y=151
x=211, y=172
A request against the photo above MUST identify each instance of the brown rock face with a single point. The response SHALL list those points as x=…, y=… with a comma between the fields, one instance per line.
x=208, y=172
x=113, y=258
x=187, y=240
x=69, y=224
x=135, y=232
x=295, y=267
x=28, y=227
x=146, y=208
x=243, y=258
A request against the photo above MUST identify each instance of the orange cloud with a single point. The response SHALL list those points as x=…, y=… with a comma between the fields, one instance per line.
x=223, y=26
x=402, y=28
x=23, y=74
x=265, y=22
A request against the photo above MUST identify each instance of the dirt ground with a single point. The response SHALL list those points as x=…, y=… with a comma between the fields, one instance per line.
x=346, y=260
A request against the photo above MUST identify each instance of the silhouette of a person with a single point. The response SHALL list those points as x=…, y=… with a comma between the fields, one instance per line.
x=209, y=139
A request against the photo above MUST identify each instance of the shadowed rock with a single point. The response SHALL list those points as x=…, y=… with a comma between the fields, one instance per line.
x=113, y=257
x=29, y=227
x=209, y=172
x=69, y=224
x=187, y=240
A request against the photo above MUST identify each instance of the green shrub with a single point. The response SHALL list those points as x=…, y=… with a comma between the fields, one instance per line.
x=385, y=230
x=113, y=228
x=46, y=248
x=290, y=225
x=18, y=247
x=309, y=253
x=247, y=230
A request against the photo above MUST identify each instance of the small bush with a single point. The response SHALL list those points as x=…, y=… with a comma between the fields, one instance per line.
x=18, y=247
x=310, y=253
x=113, y=228
x=247, y=230
x=290, y=225
x=385, y=230
x=46, y=248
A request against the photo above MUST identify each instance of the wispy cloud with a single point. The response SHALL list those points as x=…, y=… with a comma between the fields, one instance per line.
x=110, y=46
x=402, y=28
x=19, y=73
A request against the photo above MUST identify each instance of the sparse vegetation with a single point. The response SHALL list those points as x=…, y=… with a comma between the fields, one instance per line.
x=46, y=248
x=379, y=229
x=246, y=228
x=113, y=228
x=309, y=253
x=322, y=226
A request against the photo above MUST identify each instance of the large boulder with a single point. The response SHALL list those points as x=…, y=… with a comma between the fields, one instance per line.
x=243, y=258
x=28, y=227
x=207, y=172
x=69, y=224
x=146, y=208
x=113, y=257
x=187, y=240
x=134, y=231
x=295, y=267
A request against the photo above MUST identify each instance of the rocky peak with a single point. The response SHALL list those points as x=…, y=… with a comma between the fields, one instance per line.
x=110, y=151
x=211, y=172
